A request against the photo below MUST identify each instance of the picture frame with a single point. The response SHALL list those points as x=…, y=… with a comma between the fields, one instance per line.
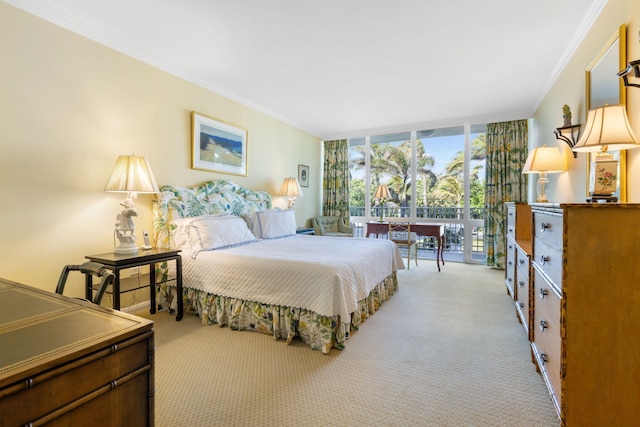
x=217, y=146
x=303, y=175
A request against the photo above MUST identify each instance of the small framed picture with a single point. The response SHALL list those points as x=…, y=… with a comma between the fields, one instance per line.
x=303, y=175
x=218, y=146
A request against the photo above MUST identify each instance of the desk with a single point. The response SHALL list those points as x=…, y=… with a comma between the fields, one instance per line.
x=421, y=229
x=64, y=361
x=117, y=262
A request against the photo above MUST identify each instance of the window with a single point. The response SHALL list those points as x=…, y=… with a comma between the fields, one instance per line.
x=433, y=175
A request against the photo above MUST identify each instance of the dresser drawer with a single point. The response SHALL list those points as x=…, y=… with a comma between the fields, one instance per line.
x=510, y=268
x=547, y=332
x=547, y=245
x=522, y=287
x=511, y=221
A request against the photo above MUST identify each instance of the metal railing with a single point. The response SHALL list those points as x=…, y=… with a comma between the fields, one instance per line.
x=421, y=212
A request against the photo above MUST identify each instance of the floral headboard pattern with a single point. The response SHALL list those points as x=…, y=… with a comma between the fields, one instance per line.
x=209, y=198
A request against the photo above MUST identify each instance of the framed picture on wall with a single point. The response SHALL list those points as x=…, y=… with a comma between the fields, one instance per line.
x=303, y=175
x=217, y=146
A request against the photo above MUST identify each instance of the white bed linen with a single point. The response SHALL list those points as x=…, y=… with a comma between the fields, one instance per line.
x=327, y=275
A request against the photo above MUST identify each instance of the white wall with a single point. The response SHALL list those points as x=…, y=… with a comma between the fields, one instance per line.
x=69, y=107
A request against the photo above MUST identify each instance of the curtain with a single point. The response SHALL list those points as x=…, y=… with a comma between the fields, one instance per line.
x=336, y=179
x=507, y=146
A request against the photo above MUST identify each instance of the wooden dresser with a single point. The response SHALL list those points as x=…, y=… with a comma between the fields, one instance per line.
x=586, y=305
x=67, y=362
x=518, y=268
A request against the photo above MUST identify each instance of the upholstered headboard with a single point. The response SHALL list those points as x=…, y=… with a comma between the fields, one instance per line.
x=209, y=198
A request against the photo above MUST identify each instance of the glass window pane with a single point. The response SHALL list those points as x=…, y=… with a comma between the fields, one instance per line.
x=357, y=170
x=391, y=166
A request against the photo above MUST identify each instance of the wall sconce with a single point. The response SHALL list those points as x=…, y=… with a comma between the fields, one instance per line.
x=543, y=160
x=567, y=132
x=634, y=66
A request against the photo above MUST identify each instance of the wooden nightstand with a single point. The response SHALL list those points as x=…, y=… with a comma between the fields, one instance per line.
x=150, y=257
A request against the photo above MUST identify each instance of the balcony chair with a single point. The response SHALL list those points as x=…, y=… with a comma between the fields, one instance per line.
x=331, y=226
x=400, y=234
x=88, y=268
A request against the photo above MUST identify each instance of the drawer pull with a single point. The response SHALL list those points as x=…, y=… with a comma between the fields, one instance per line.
x=544, y=227
x=521, y=261
x=509, y=280
x=544, y=259
x=543, y=325
x=543, y=358
x=510, y=230
x=521, y=304
x=521, y=283
x=543, y=292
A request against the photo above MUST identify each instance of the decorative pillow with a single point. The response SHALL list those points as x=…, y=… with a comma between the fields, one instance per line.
x=217, y=232
x=274, y=223
x=180, y=234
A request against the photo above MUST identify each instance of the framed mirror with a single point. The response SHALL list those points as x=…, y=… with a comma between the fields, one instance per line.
x=603, y=86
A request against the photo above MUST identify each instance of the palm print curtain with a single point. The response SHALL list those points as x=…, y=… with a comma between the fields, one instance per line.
x=506, y=154
x=336, y=179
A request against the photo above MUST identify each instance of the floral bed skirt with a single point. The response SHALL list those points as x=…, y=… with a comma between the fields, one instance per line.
x=320, y=332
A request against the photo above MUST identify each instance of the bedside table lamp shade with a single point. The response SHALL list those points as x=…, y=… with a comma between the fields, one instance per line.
x=607, y=127
x=543, y=160
x=290, y=188
x=131, y=175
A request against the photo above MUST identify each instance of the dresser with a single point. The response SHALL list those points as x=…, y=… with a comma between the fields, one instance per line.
x=67, y=362
x=518, y=263
x=586, y=308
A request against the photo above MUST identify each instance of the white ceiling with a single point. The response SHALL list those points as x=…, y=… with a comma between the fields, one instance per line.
x=341, y=68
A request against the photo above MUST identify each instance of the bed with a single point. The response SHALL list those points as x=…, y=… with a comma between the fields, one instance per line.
x=245, y=267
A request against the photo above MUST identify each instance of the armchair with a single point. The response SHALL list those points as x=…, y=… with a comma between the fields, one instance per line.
x=331, y=226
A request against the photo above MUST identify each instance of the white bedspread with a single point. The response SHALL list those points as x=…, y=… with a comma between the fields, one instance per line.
x=327, y=275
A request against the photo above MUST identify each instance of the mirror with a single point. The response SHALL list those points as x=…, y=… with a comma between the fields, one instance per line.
x=605, y=87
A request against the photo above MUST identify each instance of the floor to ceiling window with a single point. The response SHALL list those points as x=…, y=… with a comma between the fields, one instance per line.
x=433, y=176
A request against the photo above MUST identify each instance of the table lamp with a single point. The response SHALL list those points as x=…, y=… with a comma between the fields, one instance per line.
x=382, y=193
x=543, y=160
x=131, y=175
x=607, y=127
x=290, y=188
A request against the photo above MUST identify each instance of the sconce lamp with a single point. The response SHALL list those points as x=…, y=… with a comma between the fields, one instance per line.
x=634, y=66
x=543, y=160
x=568, y=134
x=290, y=188
x=382, y=193
x=131, y=175
x=607, y=127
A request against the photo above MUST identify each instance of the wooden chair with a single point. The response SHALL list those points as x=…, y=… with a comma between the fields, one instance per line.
x=106, y=277
x=400, y=234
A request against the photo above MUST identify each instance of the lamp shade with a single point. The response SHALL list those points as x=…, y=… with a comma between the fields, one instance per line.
x=544, y=159
x=290, y=188
x=607, y=126
x=132, y=174
x=382, y=192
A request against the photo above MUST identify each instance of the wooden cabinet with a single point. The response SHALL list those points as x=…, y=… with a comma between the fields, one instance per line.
x=69, y=362
x=518, y=264
x=586, y=305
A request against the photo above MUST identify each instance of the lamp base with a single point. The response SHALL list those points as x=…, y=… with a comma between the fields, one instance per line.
x=128, y=248
x=596, y=198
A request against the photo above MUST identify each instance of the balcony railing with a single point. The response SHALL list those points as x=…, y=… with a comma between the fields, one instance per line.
x=421, y=212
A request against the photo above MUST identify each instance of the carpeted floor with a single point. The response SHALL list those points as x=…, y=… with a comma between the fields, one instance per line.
x=446, y=350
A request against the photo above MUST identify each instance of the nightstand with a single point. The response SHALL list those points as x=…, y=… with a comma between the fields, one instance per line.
x=310, y=231
x=150, y=257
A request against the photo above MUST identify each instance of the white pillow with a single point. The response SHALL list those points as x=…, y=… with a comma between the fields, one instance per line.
x=215, y=232
x=180, y=234
x=274, y=223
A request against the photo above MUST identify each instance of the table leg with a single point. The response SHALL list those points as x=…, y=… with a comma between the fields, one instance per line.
x=442, y=249
x=438, y=249
x=152, y=288
x=179, y=287
x=88, y=284
x=116, y=289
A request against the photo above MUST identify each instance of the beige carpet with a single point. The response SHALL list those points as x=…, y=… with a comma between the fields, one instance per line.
x=446, y=350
